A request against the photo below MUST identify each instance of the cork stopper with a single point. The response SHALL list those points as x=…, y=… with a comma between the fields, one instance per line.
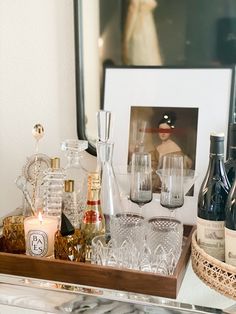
x=55, y=163
x=69, y=186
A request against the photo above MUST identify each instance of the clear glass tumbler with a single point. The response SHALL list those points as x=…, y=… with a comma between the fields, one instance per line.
x=164, y=236
x=128, y=236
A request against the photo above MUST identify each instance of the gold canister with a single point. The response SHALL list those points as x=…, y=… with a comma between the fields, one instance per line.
x=71, y=247
x=13, y=239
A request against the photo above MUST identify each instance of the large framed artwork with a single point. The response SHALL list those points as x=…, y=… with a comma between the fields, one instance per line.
x=152, y=106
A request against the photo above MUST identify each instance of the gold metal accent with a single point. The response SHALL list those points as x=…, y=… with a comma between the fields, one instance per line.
x=38, y=131
x=55, y=163
x=69, y=186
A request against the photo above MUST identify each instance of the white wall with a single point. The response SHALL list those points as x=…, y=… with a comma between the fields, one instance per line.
x=37, y=84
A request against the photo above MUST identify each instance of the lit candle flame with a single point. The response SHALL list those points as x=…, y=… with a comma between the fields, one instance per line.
x=40, y=217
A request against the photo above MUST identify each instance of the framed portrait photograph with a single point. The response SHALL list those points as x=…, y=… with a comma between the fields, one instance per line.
x=162, y=131
x=168, y=110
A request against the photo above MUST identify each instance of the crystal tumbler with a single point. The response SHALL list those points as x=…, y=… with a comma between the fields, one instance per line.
x=128, y=236
x=163, y=245
x=103, y=252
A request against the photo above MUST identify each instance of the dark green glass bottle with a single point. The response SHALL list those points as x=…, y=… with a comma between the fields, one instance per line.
x=230, y=164
x=230, y=227
x=211, y=201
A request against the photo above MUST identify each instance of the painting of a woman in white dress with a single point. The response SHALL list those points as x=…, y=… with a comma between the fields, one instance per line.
x=140, y=39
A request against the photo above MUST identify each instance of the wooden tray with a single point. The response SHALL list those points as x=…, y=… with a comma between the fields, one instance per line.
x=99, y=276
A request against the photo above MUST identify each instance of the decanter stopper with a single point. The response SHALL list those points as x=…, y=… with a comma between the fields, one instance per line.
x=103, y=123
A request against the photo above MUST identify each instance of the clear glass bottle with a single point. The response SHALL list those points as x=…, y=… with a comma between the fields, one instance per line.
x=110, y=194
x=75, y=171
x=69, y=203
x=93, y=222
x=212, y=200
x=230, y=164
x=53, y=183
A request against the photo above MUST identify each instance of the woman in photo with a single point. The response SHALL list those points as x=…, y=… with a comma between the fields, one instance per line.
x=140, y=40
x=166, y=126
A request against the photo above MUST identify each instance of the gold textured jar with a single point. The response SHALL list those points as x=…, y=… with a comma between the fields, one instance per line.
x=71, y=247
x=13, y=239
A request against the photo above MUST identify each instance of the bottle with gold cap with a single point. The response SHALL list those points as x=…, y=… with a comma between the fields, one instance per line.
x=74, y=169
x=53, y=189
x=69, y=203
x=93, y=222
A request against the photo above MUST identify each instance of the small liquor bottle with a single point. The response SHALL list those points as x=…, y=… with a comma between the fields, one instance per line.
x=230, y=227
x=69, y=242
x=74, y=169
x=70, y=203
x=211, y=202
x=230, y=165
x=93, y=222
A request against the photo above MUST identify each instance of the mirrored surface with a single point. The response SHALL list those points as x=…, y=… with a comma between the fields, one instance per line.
x=146, y=33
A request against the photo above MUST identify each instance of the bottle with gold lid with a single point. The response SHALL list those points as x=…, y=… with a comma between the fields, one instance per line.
x=69, y=242
x=75, y=170
x=69, y=203
x=93, y=222
x=53, y=183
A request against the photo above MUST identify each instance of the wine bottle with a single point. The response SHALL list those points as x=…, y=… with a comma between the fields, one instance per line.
x=230, y=227
x=93, y=222
x=230, y=165
x=212, y=200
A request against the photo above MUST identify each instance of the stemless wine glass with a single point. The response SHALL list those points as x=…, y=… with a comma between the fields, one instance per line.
x=141, y=178
x=172, y=189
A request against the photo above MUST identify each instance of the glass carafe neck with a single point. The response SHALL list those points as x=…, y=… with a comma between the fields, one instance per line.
x=105, y=151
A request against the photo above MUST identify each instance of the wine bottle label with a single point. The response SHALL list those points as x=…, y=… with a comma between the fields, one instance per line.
x=210, y=237
x=230, y=246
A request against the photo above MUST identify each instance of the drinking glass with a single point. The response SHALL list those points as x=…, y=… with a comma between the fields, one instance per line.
x=141, y=178
x=128, y=237
x=103, y=251
x=172, y=189
x=163, y=245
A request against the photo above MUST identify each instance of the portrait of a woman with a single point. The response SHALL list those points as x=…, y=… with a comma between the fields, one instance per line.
x=166, y=127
